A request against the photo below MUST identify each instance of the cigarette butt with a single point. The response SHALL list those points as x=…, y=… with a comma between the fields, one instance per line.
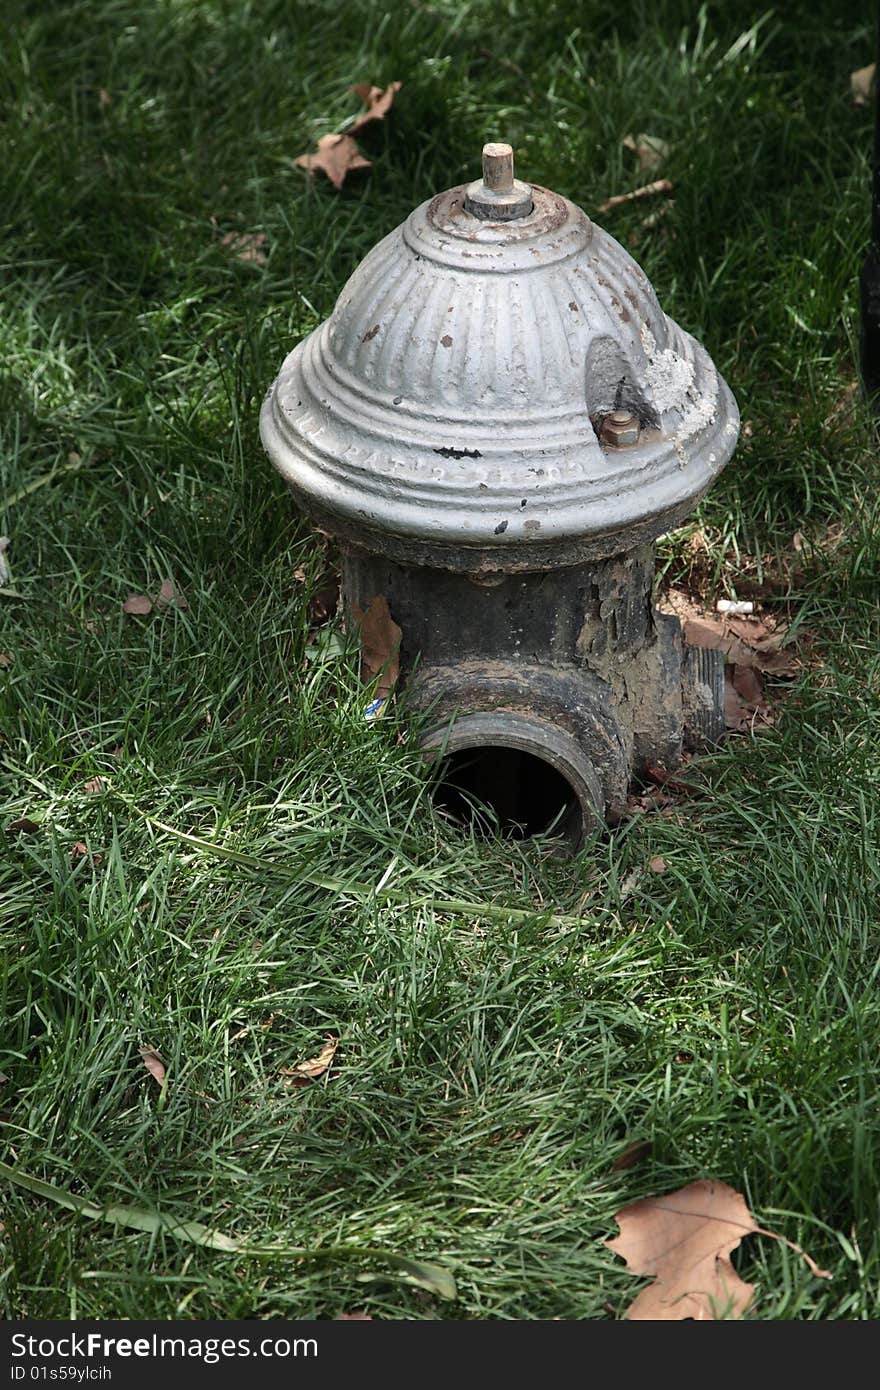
x=730, y=605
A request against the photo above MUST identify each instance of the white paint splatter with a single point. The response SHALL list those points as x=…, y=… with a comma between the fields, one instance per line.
x=670, y=380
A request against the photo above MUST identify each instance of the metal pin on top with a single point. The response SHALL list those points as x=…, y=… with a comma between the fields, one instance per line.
x=498, y=196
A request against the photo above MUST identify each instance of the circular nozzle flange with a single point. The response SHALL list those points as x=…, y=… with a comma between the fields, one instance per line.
x=498, y=196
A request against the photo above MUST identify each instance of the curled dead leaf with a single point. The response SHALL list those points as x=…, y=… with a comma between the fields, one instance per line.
x=657, y=865
x=138, y=604
x=94, y=786
x=377, y=102
x=154, y=1064
x=304, y=1072
x=6, y=661
x=380, y=644
x=336, y=156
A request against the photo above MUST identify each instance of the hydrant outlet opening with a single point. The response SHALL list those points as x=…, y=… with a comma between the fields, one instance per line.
x=524, y=778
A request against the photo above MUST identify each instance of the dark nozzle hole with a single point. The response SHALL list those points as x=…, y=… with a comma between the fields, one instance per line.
x=495, y=788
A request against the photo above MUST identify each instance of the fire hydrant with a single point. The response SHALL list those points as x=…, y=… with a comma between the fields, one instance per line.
x=497, y=422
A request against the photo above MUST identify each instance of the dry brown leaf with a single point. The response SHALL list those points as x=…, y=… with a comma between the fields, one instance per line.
x=94, y=786
x=336, y=156
x=648, y=191
x=138, y=604
x=80, y=850
x=756, y=640
x=5, y=661
x=745, y=706
x=378, y=103
x=168, y=594
x=657, y=864
x=304, y=1072
x=749, y=687
x=685, y=1240
x=246, y=246
x=154, y=1064
x=861, y=85
x=23, y=825
x=354, y=1317
x=634, y=1152
x=649, y=150
x=380, y=644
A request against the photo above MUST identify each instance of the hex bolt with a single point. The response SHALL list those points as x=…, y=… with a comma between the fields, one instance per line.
x=619, y=429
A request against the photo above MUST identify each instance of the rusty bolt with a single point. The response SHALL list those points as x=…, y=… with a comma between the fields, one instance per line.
x=620, y=428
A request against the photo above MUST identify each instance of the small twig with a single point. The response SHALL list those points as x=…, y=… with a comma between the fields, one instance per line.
x=72, y=466
x=647, y=191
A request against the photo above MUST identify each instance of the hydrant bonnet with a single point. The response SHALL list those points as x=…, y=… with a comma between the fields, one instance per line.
x=454, y=402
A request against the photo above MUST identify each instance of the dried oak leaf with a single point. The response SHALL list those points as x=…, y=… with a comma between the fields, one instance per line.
x=138, y=604
x=380, y=644
x=377, y=102
x=304, y=1072
x=154, y=1064
x=685, y=1241
x=336, y=156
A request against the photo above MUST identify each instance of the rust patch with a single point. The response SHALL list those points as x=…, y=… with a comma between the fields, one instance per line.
x=371, y=332
x=446, y=340
x=573, y=307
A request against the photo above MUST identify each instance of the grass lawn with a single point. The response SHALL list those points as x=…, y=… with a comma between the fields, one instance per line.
x=507, y=1022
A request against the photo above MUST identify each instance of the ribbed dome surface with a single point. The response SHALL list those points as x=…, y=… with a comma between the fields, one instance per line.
x=453, y=397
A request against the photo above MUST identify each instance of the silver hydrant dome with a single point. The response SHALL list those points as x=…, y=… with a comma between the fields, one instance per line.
x=459, y=403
